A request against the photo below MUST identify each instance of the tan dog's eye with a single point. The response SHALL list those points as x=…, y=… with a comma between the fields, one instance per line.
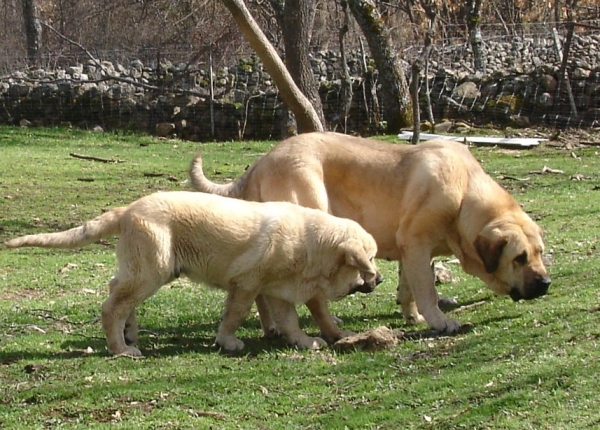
x=521, y=258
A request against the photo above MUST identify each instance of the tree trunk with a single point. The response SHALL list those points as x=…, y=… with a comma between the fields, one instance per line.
x=306, y=115
x=346, y=91
x=396, y=103
x=33, y=31
x=475, y=38
x=422, y=62
x=296, y=29
x=295, y=19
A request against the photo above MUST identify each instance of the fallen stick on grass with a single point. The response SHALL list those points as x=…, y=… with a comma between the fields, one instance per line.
x=168, y=176
x=469, y=306
x=100, y=159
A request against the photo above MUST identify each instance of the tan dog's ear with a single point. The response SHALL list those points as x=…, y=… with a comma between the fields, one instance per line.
x=542, y=232
x=490, y=251
x=356, y=256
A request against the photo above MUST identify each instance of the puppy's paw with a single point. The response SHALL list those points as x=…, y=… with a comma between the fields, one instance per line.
x=414, y=319
x=230, y=344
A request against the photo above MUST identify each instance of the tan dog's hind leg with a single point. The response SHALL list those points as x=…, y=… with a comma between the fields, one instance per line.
x=237, y=308
x=406, y=300
x=266, y=319
x=326, y=322
x=286, y=318
x=131, y=329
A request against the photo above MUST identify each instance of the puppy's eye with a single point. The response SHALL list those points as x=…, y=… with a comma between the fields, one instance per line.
x=521, y=258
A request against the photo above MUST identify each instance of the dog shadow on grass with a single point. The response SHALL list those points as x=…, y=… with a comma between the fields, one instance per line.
x=198, y=337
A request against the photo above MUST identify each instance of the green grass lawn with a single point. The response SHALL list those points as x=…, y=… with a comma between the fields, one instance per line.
x=526, y=365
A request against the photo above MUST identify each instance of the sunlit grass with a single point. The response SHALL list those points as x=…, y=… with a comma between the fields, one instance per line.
x=529, y=365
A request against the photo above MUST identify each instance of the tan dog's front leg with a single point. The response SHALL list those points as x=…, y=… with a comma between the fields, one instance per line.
x=326, y=322
x=286, y=318
x=267, y=322
x=419, y=276
x=405, y=299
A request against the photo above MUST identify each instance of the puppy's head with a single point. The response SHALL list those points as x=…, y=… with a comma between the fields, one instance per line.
x=357, y=271
x=511, y=252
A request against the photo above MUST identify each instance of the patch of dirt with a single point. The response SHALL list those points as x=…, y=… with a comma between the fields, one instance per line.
x=25, y=294
x=370, y=340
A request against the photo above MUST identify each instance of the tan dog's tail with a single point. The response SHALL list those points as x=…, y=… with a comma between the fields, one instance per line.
x=201, y=183
x=106, y=225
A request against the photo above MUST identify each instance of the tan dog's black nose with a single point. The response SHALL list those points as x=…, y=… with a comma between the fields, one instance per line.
x=544, y=284
x=536, y=289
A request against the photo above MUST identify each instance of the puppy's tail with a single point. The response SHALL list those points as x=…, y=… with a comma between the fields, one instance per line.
x=201, y=183
x=106, y=225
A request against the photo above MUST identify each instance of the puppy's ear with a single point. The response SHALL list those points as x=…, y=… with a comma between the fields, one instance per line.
x=355, y=256
x=490, y=251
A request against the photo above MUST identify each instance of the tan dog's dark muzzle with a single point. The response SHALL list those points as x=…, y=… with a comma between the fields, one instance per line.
x=539, y=288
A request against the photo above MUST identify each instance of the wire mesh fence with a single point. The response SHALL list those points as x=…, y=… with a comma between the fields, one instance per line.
x=526, y=82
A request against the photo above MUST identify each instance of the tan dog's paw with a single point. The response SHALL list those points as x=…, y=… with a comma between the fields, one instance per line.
x=308, y=342
x=229, y=343
x=346, y=333
x=448, y=326
x=128, y=351
x=337, y=320
x=131, y=335
x=271, y=332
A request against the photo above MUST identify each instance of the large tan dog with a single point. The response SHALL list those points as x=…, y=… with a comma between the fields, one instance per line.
x=280, y=250
x=418, y=202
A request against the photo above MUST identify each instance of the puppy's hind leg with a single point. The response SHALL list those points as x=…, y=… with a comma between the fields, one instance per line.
x=286, y=318
x=118, y=313
x=130, y=332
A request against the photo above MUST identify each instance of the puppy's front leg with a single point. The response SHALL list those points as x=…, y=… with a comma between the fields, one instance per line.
x=326, y=322
x=237, y=308
x=286, y=318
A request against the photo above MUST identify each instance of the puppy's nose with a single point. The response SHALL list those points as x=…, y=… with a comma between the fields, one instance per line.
x=378, y=279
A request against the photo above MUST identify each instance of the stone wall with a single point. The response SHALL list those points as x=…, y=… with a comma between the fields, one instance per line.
x=520, y=87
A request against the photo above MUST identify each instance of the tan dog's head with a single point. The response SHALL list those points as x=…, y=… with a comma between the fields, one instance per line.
x=357, y=271
x=511, y=252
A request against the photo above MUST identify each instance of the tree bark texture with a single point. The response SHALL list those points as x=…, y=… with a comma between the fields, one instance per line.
x=296, y=29
x=397, y=103
x=33, y=31
x=475, y=38
x=306, y=115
